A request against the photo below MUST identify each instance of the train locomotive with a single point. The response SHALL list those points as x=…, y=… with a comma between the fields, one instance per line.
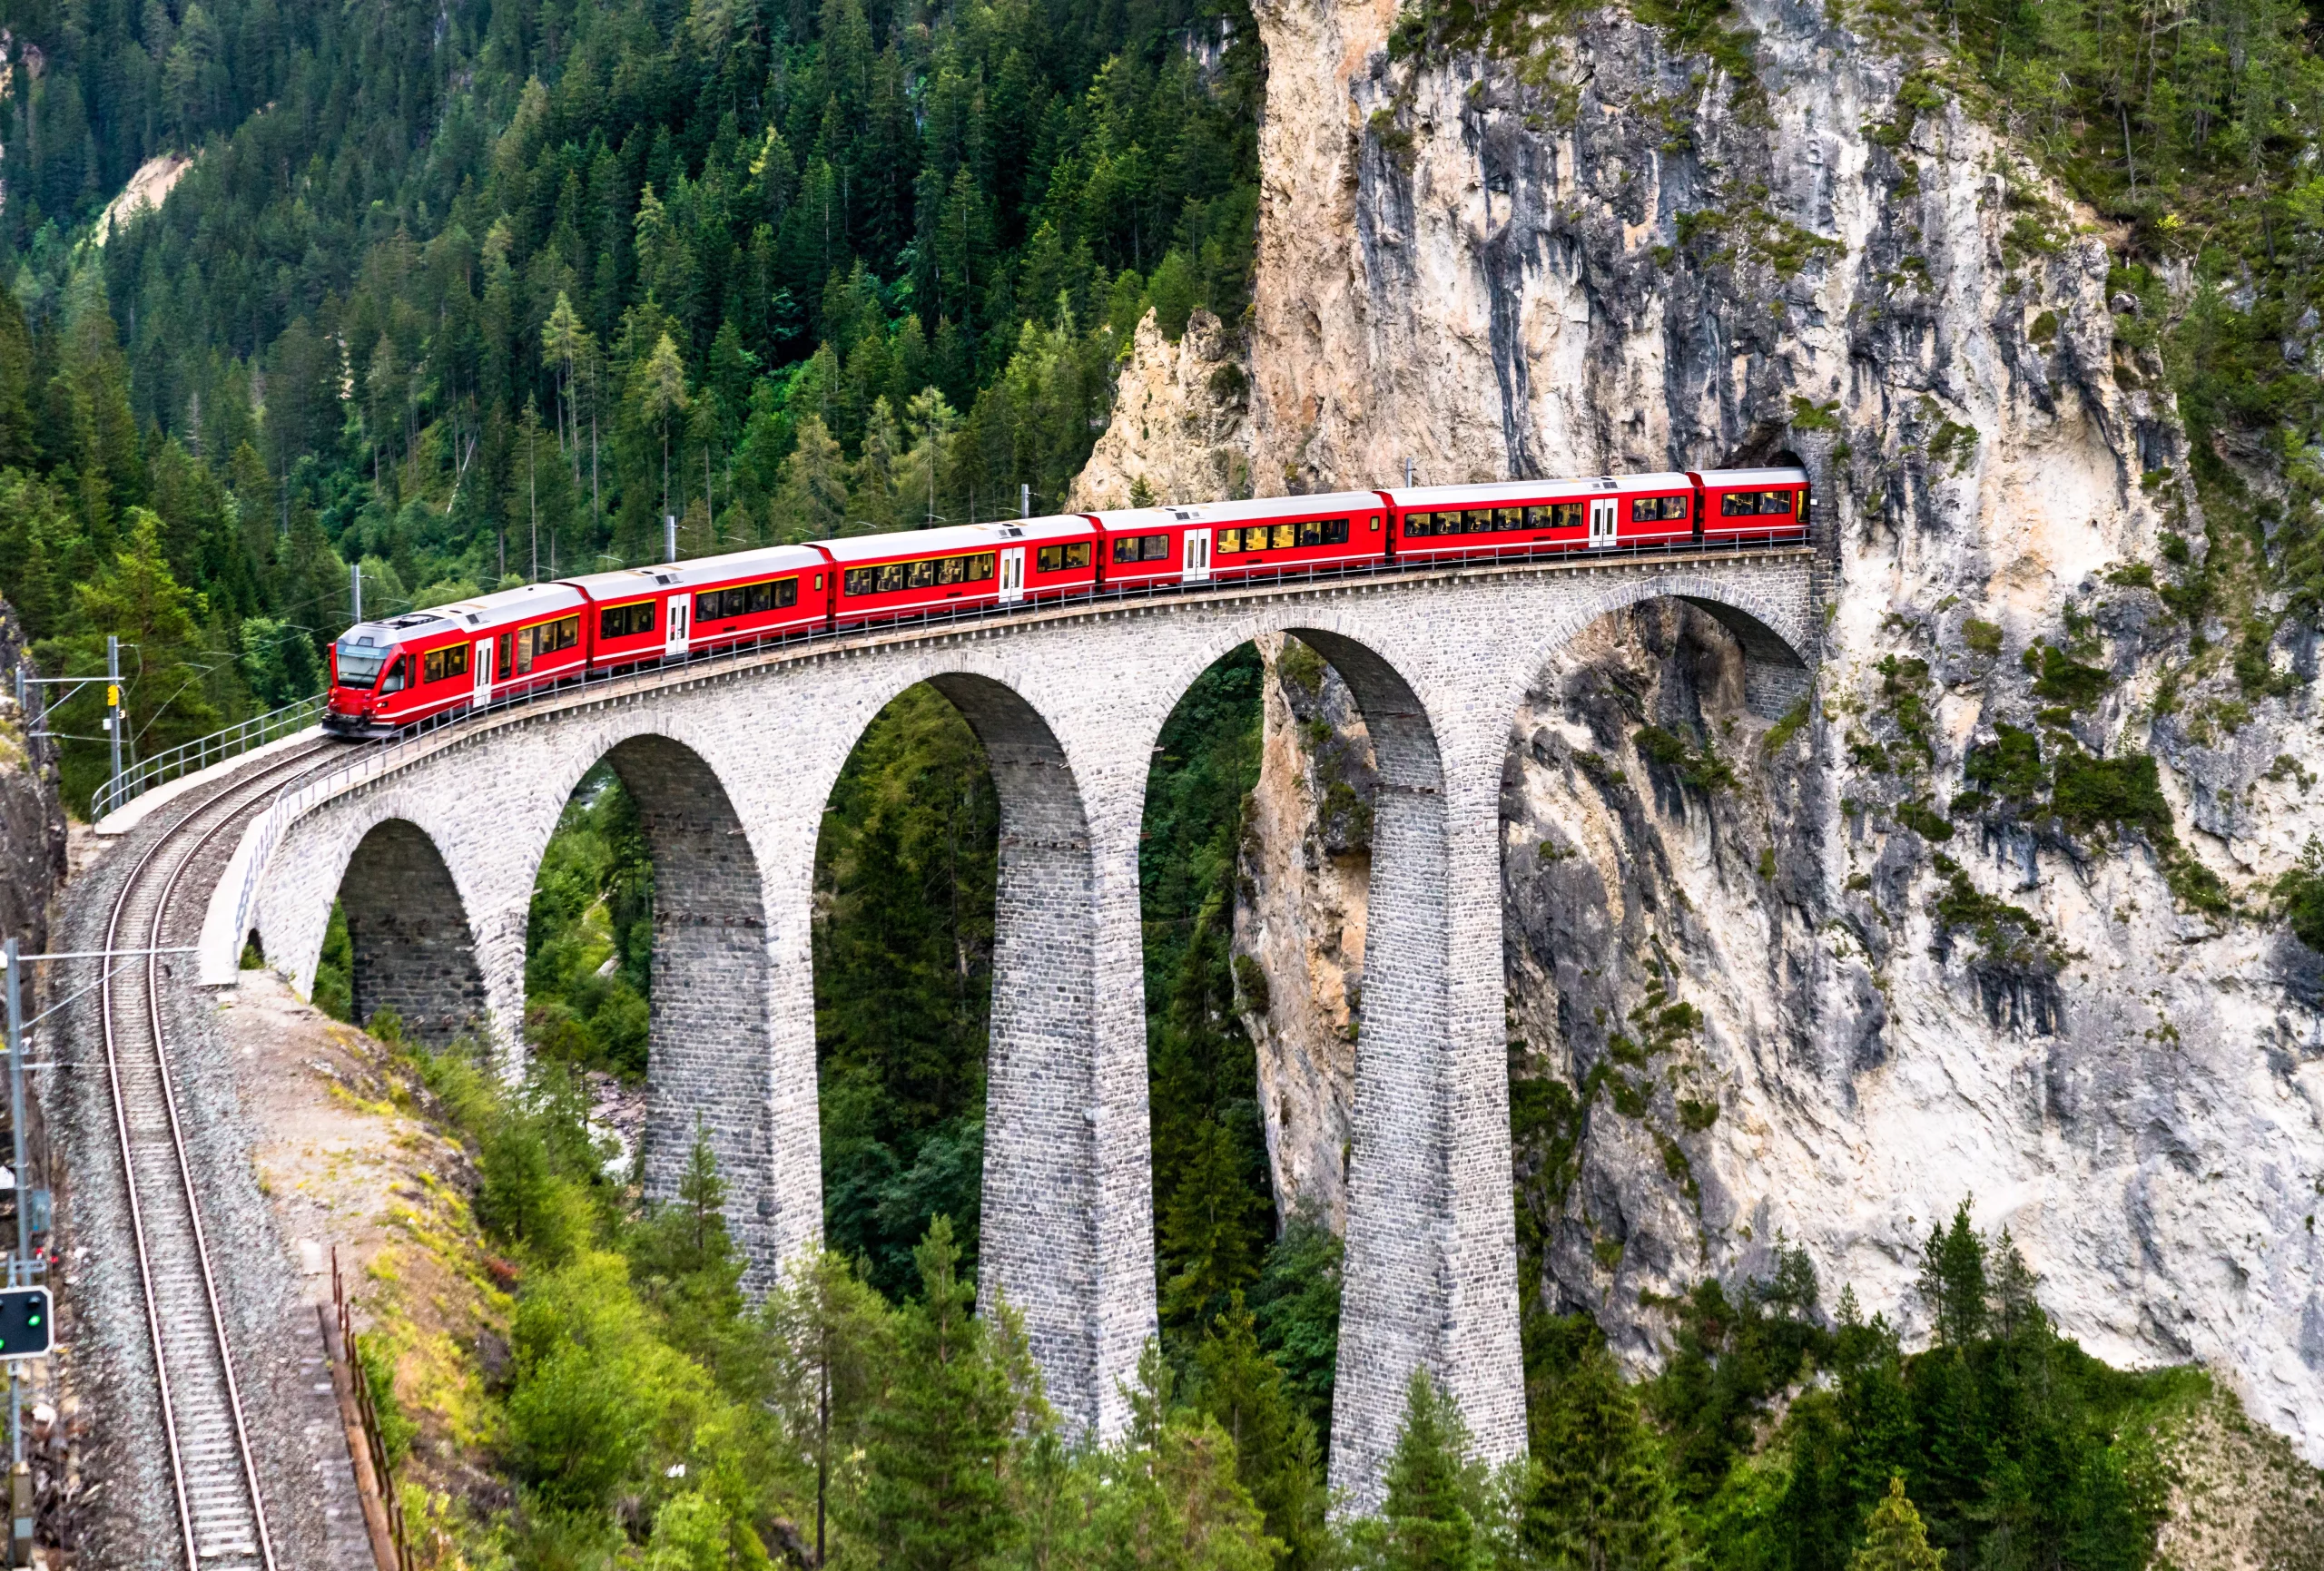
x=387, y=674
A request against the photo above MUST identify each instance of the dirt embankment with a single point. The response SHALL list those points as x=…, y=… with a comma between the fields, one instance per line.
x=359, y=1159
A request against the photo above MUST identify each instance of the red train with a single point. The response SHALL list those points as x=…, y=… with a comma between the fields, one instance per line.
x=387, y=674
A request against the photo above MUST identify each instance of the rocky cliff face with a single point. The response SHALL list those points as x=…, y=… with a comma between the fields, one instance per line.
x=32, y=812
x=1944, y=930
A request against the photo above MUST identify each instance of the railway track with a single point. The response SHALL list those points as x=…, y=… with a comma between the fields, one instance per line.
x=220, y=1510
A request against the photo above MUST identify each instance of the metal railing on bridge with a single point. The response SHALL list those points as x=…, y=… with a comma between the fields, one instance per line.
x=188, y=758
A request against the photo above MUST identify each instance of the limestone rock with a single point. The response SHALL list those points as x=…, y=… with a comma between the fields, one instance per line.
x=1608, y=256
x=1181, y=415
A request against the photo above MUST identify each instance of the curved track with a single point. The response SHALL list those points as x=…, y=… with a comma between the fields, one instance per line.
x=221, y=1512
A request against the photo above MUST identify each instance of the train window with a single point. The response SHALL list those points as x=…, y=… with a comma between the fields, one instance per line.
x=1774, y=502
x=923, y=573
x=568, y=630
x=1739, y=504
x=1417, y=524
x=1451, y=524
x=508, y=658
x=819, y=582
x=393, y=682
x=1154, y=547
x=895, y=576
x=431, y=666
x=1063, y=558
x=1230, y=540
x=1311, y=532
x=1125, y=548
x=861, y=580
x=979, y=567
x=1508, y=518
x=1376, y=523
x=1648, y=509
x=442, y=664
x=626, y=621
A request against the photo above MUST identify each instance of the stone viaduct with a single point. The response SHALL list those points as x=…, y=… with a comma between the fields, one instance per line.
x=434, y=846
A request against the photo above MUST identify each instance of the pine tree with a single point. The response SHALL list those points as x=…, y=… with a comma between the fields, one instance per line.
x=834, y=1337
x=1276, y=1455
x=936, y=1497
x=135, y=598
x=1168, y=1493
x=872, y=488
x=1895, y=1538
x=1600, y=1500
x=1438, y=1514
x=657, y=392
x=1210, y=1225
x=1953, y=1281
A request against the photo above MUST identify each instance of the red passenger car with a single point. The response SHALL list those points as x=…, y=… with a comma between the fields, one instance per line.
x=1754, y=502
x=1525, y=516
x=651, y=612
x=917, y=571
x=1276, y=534
x=386, y=674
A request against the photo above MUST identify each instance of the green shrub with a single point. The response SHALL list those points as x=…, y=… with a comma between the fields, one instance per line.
x=1929, y=825
x=2009, y=766
x=2092, y=791
x=2065, y=680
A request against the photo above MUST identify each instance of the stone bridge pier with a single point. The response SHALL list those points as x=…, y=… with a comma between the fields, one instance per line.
x=731, y=765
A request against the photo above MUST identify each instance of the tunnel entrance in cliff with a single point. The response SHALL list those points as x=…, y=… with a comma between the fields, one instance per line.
x=1655, y=829
x=907, y=868
x=1254, y=867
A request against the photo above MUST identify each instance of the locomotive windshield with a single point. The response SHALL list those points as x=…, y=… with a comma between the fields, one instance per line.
x=360, y=662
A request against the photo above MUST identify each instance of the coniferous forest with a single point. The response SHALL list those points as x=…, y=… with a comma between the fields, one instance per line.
x=458, y=295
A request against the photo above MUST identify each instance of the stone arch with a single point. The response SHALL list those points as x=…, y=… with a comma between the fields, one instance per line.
x=414, y=951
x=1778, y=641
x=1050, y=1191
x=709, y=1048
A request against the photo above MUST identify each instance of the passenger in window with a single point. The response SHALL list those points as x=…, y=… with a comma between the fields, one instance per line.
x=1774, y=502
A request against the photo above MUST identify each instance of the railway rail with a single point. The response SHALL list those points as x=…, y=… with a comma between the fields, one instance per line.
x=220, y=1506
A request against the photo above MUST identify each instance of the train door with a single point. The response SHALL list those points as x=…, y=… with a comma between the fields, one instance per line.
x=1602, y=520
x=483, y=656
x=1194, y=563
x=679, y=606
x=1013, y=575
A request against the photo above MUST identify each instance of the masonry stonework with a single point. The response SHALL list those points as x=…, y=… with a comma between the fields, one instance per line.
x=412, y=951
x=732, y=762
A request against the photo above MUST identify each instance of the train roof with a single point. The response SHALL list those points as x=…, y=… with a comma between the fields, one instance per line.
x=1755, y=476
x=1129, y=520
x=502, y=606
x=531, y=599
x=624, y=582
x=1496, y=491
x=956, y=537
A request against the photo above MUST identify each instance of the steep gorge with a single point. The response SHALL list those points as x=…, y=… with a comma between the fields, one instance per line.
x=1941, y=930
